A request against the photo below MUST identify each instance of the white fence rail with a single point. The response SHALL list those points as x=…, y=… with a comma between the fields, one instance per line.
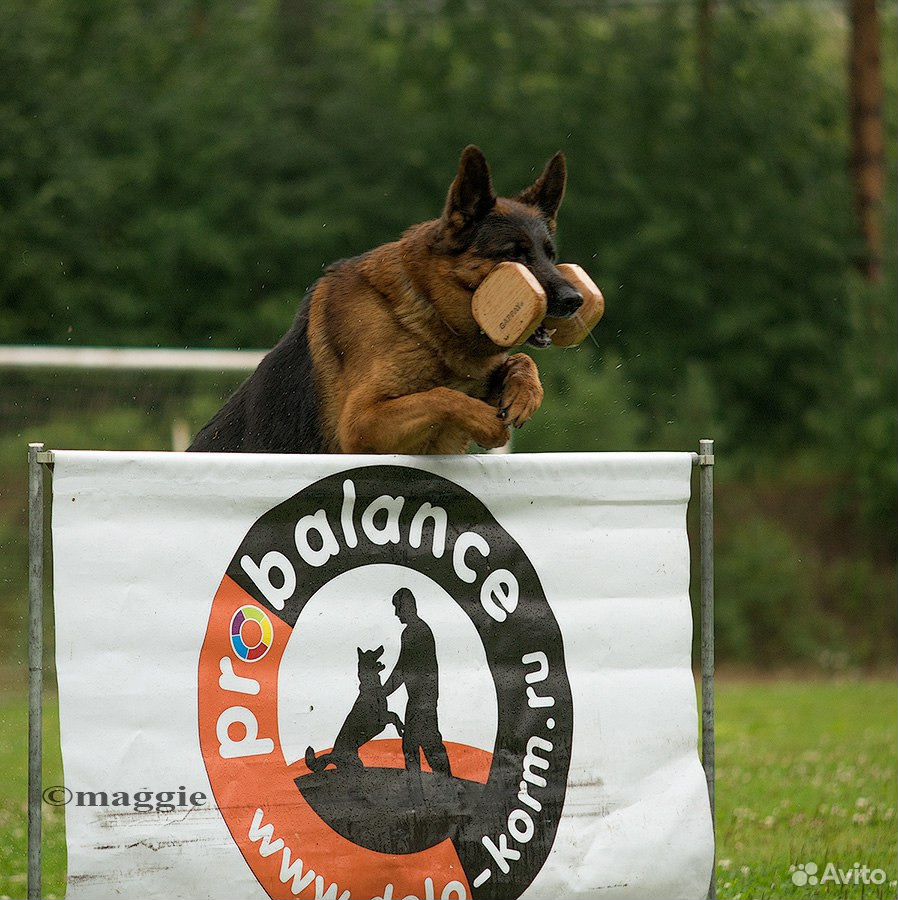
x=135, y=359
x=142, y=359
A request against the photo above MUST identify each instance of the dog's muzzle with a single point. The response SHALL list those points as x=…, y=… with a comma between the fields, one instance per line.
x=565, y=303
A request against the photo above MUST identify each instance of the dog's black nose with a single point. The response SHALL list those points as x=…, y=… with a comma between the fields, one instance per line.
x=566, y=303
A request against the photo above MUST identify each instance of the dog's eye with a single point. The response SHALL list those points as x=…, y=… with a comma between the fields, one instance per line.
x=550, y=251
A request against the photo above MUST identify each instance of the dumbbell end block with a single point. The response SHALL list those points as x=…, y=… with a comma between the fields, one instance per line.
x=573, y=331
x=509, y=304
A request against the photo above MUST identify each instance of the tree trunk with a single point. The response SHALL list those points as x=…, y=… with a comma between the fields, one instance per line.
x=705, y=37
x=298, y=20
x=200, y=18
x=867, y=134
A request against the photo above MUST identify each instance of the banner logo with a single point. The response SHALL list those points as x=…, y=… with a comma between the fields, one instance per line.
x=384, y=710
x=251, y=633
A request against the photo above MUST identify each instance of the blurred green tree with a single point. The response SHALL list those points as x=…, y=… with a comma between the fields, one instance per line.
x=178, y=172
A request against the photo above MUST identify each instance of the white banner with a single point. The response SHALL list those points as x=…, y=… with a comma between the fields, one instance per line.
x=377, y=677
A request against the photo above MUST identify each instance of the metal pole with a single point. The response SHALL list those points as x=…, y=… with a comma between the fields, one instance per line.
x=35, y=663
x=706, y=541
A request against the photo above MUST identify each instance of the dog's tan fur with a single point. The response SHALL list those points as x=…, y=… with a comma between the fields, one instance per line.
x=400, y=362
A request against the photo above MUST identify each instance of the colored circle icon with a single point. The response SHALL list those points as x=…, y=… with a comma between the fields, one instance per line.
x=251, y=633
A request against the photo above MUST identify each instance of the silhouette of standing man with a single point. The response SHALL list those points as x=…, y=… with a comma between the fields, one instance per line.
x=416, y=668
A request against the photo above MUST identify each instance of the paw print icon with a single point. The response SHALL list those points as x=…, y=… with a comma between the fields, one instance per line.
x=804, y=873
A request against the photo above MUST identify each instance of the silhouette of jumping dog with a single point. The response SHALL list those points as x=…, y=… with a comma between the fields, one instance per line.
x=367, y=718
x=417, y=669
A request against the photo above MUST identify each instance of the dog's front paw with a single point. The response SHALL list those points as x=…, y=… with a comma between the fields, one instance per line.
x=492, y=432
x=522, y=391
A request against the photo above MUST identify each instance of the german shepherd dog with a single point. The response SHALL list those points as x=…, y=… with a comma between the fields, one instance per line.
x=367, y=718
x=385, y=355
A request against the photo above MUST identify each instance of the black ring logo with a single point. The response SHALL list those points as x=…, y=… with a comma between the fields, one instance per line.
x=502, y=827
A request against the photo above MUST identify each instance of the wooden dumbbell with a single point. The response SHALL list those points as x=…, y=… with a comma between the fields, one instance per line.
x=511, y=304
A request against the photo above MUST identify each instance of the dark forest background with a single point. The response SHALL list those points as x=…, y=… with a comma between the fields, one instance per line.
x=176, y=173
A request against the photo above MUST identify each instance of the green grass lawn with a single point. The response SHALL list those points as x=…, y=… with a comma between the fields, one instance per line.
x=14, y=792
x=806, y=773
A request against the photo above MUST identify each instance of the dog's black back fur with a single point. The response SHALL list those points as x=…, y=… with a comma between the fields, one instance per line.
x=276, y=409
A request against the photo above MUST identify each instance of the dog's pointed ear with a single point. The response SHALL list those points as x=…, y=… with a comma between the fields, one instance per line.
x=379, y=652
x=360, y=652
x=471, y=196
x=547, y=192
